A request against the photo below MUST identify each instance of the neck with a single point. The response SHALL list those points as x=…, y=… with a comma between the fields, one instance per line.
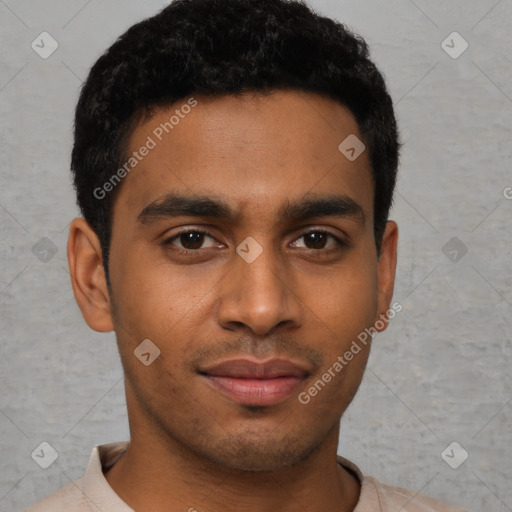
x=158, y=474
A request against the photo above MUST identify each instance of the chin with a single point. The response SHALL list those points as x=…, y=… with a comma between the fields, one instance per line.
x=254, y=454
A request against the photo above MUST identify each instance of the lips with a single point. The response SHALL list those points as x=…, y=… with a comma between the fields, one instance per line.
x=247, y=369
x=250, y=382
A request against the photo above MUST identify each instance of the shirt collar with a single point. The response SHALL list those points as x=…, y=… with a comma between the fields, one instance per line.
x=94, y=483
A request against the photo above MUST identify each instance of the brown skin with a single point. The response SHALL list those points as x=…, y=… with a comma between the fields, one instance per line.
x=190, y=446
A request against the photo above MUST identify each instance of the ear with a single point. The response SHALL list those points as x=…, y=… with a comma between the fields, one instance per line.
x=386, y=273
x=88, y=276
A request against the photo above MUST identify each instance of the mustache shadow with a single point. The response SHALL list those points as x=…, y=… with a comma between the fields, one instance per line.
x=263, y=348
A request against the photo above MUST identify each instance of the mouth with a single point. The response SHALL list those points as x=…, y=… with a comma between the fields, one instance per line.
x=255, y=383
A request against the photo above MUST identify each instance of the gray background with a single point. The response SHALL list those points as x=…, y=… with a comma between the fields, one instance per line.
x=441, y=373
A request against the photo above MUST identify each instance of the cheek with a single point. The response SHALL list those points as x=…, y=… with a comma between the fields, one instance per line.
x=344, y=307
x=153, y=298
x=346, y=298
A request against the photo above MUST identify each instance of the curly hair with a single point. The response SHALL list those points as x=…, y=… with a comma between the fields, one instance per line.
x=223, y=47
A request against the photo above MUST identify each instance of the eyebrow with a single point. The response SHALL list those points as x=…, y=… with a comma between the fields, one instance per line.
x=174, y=205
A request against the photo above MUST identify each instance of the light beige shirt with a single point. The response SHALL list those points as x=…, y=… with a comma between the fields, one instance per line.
x=92, y=493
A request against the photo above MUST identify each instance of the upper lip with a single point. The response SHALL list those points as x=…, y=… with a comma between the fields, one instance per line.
x=246, y=368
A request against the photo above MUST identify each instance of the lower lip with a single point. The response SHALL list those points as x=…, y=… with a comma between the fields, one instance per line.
x=255, y=391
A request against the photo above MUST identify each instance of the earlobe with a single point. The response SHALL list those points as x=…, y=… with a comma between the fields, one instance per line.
x=88, y=276
x=386, y=273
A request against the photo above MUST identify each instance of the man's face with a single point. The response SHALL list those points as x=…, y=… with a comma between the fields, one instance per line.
x=304, y=299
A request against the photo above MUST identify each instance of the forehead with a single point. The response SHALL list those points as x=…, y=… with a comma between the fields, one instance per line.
x=252, y=151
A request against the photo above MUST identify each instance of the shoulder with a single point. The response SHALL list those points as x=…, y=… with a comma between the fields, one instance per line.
x=91, y=492
x=384, y=498
x=392, y=497
x=69, y=497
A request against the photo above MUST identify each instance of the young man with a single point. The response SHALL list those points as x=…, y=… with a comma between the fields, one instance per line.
x=235, y=162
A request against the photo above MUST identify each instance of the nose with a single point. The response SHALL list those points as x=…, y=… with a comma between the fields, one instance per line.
x=260, y=295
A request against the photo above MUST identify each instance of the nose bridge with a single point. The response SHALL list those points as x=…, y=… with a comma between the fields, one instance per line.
x=261, y=277
x=257, y=294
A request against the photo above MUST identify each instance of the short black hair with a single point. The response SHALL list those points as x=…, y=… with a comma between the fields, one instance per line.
x=225, y=47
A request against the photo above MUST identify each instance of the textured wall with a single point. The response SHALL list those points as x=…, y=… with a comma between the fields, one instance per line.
x=439, y=374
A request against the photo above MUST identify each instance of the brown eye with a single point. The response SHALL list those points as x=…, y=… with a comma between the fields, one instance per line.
x=191, y=240
x=318, y=240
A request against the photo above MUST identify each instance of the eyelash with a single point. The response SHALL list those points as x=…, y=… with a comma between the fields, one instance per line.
x=342, y=244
